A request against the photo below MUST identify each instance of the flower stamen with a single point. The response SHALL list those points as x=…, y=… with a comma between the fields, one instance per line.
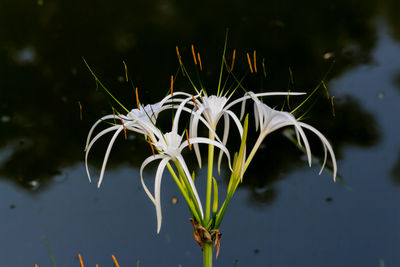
x=123, y=125
x=263, y=65
x=198, y=57
x=233, y=59
x=137, y=99
x=333, y=106
x=80, y=260
x=115, y=260
x=172, y=85
x=249, y=61
x=255, y=65
x=126, y=71
x=151, y=146
x=195, y=103
x=194, y=55
x=187, y=138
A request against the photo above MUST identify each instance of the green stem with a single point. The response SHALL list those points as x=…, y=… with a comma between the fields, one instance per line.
x=189, y=201
x=207, y=254
x=209, y=179
x=253, y=152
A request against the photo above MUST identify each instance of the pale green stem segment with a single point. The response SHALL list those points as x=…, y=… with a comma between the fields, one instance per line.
x=236, y=176
x=184, y=191
x=209, y=179
x=207, y=254
x=253, y=152
x=189, y=189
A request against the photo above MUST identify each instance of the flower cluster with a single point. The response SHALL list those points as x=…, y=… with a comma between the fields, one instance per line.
x=168, y=146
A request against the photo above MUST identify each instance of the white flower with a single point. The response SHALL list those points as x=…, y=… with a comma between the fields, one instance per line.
x=140, y=120
x=214, y=107
x=270, y=120
x=170, y=146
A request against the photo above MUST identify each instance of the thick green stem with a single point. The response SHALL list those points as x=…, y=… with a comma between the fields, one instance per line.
x=207, y=254
x=209, y=180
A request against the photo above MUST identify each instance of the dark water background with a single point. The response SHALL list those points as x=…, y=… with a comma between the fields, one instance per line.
x=284, y=214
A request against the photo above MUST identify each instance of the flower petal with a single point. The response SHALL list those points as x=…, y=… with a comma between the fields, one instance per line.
x=157, y=191
x=144, y=164
x=110, y=129
x=103, y=167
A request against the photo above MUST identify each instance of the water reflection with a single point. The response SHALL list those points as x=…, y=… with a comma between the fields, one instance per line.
x=42, y=75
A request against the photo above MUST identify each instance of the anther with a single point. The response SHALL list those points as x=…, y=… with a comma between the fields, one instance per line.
x=137, y=99
x=123, y=125
x=255, y=65
x=126, y=71
x=233, y=59
x=151, y=146
x=249, y=60
x=263, y=65
x=194, y=55
x=187, y=138
x=115, y=260
x=172, y=85
x=198, y=57
x=195, y=103
x=80, y=260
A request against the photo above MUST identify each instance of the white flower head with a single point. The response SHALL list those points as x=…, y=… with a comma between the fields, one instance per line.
x=270, y=120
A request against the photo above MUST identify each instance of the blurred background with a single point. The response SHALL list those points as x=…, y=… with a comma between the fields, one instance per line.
x=283, y=214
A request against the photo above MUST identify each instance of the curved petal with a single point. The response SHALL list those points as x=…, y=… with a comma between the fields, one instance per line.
x=251, y=95
x=224, y=139
x=204, y=140
x=107, y=117
x=103, y=167
x=144, y=164
x=110, y=129
x=326, y=143
x=157, y=191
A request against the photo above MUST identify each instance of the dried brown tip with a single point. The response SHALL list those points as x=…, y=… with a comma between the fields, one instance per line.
x=195, y=103
x=249, y=61
x=172, y=85
x=194, y=55
x=187, y=138
x=255, y=64
x=80, y=260
x=123, y=125
x=233, y=58
x=137, y=99
x=198, y=57
x=115, y=260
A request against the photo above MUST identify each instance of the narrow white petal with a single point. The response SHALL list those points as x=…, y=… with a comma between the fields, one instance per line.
x=204, y=140
x=237, y=121
x=224, y=139
x=327, y=144
x=144, y=164
x=94, y=126
x=110, y=129
x=108, y=154
x=251, y=95
x=157, y=191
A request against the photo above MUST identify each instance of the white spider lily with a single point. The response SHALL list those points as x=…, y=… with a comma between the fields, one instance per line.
x=214, y=107
x=270, y=120
x=140, y=120
x=170, y=146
